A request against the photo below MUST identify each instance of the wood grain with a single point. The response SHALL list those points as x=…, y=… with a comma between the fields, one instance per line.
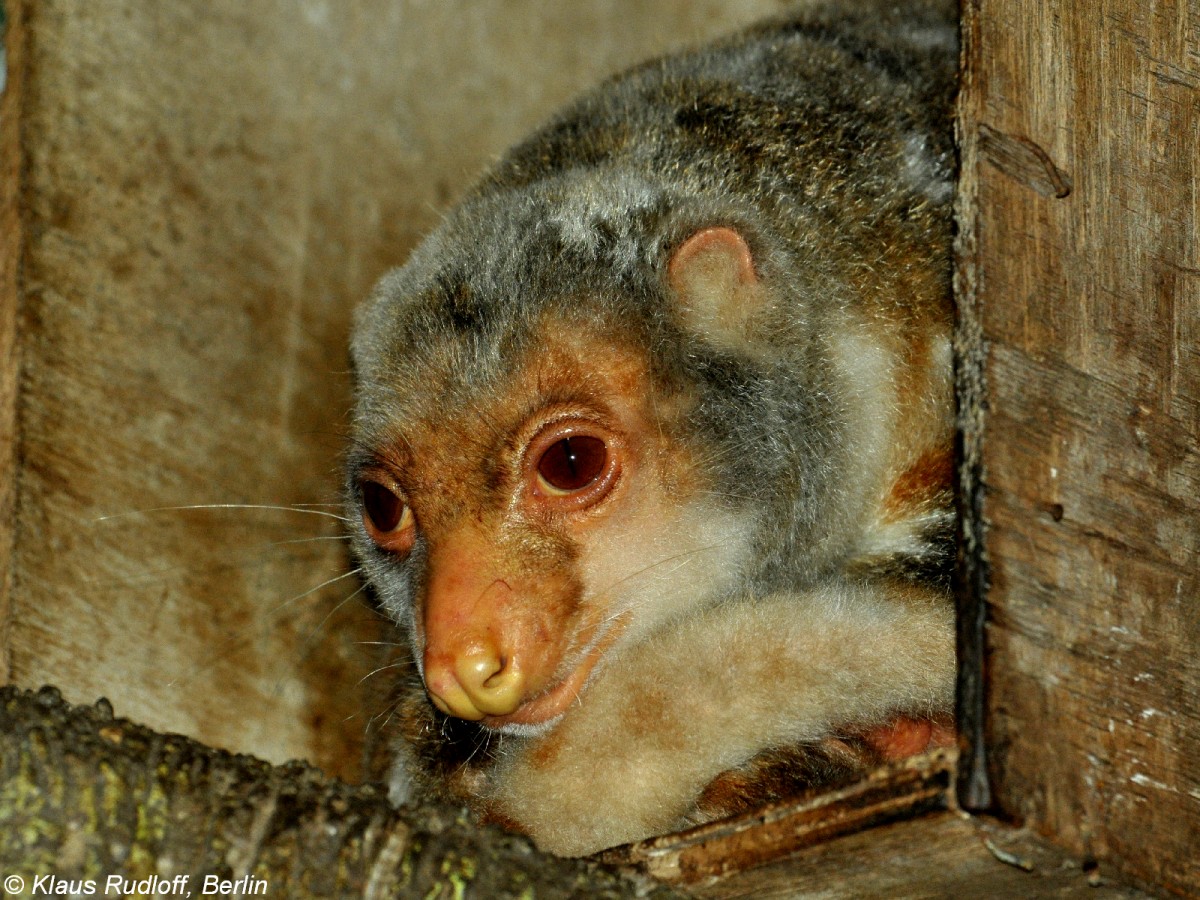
x=900, y=791
x=10, y=257
x=937, y=856
x=1081, y=123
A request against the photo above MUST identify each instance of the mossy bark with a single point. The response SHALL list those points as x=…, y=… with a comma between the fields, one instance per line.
x=85, y=796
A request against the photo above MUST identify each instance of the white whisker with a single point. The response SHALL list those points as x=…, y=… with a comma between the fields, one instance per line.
x=393, y=665
x=299, y=508
x=323, y=584
x=657, y=563
x=238, y=644
x=307, y=644
x=257, y=559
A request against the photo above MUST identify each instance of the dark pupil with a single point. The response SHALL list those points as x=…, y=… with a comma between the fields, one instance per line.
x=573, y=463
x=383, y=508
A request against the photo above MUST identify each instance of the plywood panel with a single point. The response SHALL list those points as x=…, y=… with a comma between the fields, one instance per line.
x=1081, y=128
x=208, y=189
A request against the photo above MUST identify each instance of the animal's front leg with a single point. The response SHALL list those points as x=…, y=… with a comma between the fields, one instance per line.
x=667, y=716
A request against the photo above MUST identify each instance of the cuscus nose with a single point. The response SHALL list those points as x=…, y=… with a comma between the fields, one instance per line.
x=476, y=680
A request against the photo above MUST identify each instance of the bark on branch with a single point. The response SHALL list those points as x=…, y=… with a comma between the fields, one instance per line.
x=85, y=796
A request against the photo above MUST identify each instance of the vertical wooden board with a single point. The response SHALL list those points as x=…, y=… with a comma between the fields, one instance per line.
x=1081, y=133
x=12, y=33
x=209, y=187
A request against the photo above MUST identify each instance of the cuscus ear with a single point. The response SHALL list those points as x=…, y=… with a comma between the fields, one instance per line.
x=717, y=291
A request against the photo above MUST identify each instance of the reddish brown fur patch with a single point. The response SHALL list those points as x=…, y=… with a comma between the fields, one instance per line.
x=645, y=715
x=489, y=816
x=545, y=751
x=912, y=373
x=784, y=772
x=922, y=484
x=905, y=736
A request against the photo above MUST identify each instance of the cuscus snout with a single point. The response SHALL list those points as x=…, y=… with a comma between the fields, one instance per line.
x=491, y=640
x=477, y=680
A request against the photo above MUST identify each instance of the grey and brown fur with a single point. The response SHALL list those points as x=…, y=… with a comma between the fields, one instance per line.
x=781, y=573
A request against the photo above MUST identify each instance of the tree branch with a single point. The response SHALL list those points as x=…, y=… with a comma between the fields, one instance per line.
x=88, y=797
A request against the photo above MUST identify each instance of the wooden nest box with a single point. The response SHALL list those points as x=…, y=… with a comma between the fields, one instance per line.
x=193, y=196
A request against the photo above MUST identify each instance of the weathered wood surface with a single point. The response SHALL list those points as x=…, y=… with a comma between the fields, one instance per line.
x=1081, y=274
x=935, y=857
x=10, y=256
x=208, y=188
x=86, y=797
x=901, y=791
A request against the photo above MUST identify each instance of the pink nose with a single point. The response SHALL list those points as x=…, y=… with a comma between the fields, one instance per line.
x=474, y=682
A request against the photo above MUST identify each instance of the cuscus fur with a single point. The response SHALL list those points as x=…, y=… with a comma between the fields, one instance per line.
x=731, y=268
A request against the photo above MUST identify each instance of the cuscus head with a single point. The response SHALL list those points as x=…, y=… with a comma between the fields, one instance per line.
x=527, y=467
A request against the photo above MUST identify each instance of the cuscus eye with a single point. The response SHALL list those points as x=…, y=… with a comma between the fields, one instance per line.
x=387, y=518
x=572, y=463
x=382, y=507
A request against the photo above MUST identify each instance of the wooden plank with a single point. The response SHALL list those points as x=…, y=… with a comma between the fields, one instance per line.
x=1081, y=123
x=906, y=789
x=10, y=257
x=937, y=856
